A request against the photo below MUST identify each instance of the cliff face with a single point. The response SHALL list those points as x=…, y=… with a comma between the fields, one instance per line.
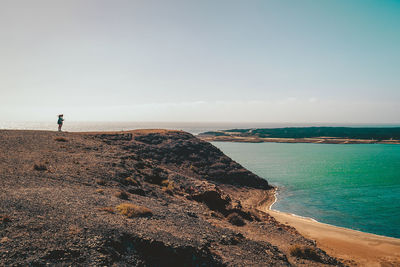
x=183, y=152
x=149, y=197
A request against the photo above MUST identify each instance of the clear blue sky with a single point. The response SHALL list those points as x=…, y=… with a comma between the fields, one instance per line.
x=262, y=61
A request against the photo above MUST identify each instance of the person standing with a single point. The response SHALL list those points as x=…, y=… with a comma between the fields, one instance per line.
x=60, y=121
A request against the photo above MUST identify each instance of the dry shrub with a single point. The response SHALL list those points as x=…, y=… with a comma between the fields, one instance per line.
x=4, y=240
x=40, y=167
x=235, y=219
x=100, y=182
x=140, y=165
x=137, y=191
x=121, y=195
x=213, y=199
x=4, y=219
x=216, y=215
x=157, y=176
x=107, y=209
x=61, y=139
x=132, y=210
x=74, y=230
x=100, y=191
x=168, y=186
x=305, y=252
x=193, y=168
x=131, y=181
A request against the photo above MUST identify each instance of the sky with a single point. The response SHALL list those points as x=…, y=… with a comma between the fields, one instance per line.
x=333, y=61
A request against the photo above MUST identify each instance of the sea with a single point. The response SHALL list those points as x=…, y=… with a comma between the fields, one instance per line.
x=356, y=186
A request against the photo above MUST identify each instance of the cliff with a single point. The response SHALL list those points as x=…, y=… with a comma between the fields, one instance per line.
x=137, y=198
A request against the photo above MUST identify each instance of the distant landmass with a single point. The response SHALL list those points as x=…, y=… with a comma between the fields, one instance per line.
x=332, y=135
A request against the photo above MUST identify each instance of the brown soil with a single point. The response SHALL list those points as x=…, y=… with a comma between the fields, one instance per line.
x=183, y=204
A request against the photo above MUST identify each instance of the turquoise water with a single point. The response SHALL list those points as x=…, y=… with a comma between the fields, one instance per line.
x=353, y=186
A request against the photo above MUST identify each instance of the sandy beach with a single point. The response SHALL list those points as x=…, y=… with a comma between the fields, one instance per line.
x=353, y=247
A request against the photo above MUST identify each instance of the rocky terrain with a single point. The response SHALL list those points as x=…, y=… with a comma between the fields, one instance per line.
x=137, y=198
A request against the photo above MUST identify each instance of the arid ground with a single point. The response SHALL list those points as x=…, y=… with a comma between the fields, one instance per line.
x=140, y=198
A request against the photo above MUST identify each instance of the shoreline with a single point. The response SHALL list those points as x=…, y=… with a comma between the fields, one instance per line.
x=275, y=195
x=353, y=247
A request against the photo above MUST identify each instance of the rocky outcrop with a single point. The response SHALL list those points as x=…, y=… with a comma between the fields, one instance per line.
x=202, y=158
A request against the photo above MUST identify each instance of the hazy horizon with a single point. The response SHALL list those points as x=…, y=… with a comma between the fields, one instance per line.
x=327, y=62
x=191, y=127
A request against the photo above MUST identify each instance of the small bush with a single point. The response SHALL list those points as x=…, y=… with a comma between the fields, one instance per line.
x=235, y=219
x=216, y=215
x=305, y=252
x=74, y=230
x=157, y=176
x=100, y=191
x=40, y=167
x=137, y=191
x=121, y=195
x=131, y=210
x=168, y=186
x=107, y=209
x=61, y=139
x=131, y=181
x=100, y=182
x=140, y=165
x=4, y=240
x=193, y=168
x=4, y=219
x=213, y=199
